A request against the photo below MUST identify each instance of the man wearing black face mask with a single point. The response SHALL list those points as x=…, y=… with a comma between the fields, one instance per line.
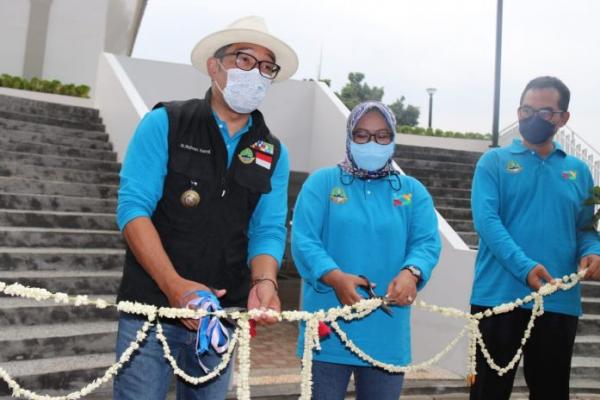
x=528, y=210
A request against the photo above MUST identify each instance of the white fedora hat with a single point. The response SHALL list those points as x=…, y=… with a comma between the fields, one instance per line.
x=253, y=30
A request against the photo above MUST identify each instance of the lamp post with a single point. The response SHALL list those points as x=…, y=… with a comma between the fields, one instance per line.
x=497, y=72
x=430, y=91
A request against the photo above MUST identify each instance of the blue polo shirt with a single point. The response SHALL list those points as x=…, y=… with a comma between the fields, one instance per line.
x=145, y=167
x=529, y=210
x=370, y=227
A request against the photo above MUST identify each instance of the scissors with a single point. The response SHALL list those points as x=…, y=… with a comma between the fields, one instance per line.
x=385, y=302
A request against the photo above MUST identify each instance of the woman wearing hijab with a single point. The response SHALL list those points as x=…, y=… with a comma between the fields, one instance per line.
x=362, y=217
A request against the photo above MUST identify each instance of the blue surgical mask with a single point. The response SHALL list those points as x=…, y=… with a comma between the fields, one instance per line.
x=536, y=130
x=371, y=156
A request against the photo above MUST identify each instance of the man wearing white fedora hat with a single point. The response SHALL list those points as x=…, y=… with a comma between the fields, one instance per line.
x=202, y=206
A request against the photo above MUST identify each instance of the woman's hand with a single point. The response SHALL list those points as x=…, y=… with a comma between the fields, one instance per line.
x=402, y=290
x=345, y=286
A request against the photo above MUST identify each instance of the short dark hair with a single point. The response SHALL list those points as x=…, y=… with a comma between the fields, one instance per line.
x=221, y=51
x=550, y=82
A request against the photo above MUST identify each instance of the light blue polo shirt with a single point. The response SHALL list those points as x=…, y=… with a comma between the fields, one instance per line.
x=373, y=227
x=529, y=210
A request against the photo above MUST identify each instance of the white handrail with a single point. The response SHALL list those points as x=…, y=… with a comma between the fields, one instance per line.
x=577, y=146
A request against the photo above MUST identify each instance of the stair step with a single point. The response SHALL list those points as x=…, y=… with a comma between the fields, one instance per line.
x=18, y=185
x=437, y=173
x=470, y=238
x=452, y=202
x=437, y=192
x=591, y=305
x=590, y=289
x=577, y=385
x=585, y=367
x=455, y=213
x=17, y=311
x=24, y=146
x=55, y=139
x=588, y=325
x=37, y=202
x=437, y=150
x=587, y=345
x=14, y=169
x=57, y=219
x=461, y=225
x=76, y=282
x=92, y=125
x=56, y=340
x=61, y=259
x=433, y=183
x=58, y=373
x=20, y=125
x=24, y=105
x=51, y=161
x=56, y=237
x=416, y=163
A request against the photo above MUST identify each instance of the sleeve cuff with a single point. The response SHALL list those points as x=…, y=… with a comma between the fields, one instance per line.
x=124, y=219
x=271, y=248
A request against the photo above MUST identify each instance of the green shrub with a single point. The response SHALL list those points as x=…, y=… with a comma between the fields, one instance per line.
x=417, y=130
x=42, y=85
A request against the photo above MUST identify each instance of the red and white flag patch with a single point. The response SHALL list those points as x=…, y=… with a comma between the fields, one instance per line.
x=264, y=160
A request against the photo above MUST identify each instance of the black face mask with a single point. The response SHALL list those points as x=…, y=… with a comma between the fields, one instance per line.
x=536, y=130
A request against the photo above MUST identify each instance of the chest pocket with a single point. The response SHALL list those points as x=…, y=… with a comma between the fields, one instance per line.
x=254, y=178
x=190, y=169
x=192, y=164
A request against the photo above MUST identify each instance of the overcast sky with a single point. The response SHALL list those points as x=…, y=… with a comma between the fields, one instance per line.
x=409, y=45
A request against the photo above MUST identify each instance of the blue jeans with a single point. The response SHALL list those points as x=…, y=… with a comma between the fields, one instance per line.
x=148, y=374
x=330, y=382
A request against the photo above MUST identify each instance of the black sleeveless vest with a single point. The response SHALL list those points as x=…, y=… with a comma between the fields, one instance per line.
x=207, y=243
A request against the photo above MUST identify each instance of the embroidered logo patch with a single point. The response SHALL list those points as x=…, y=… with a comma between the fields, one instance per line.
x=264, y=147
x=513, y=167
x=569, y=175
x=246, y=156
x=402, y=199
x=338, y=196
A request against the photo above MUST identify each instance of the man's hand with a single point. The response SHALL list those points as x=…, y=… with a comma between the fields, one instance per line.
x=592, y=263
x=263, y=296
x=402, y=290
x=538, y=276
x=181, y=291
x=345, y=286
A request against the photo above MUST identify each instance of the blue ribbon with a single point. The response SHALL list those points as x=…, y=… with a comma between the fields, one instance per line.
x=211, y=332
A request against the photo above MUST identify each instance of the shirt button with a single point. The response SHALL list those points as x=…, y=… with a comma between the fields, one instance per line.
x=368, y=192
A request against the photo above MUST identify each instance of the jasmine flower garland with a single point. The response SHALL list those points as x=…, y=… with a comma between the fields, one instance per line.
x=241, y=336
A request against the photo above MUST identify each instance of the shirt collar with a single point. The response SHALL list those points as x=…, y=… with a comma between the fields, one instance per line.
x=223, y=126
x=517, y=147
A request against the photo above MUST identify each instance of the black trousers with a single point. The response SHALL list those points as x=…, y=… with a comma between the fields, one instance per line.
x=546, y=356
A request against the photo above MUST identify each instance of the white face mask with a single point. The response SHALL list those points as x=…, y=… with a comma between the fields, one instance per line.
x=245, y=90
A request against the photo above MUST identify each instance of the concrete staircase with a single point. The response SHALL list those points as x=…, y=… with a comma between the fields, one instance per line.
x=58, y=185
x=447, y=174
x=585, y=366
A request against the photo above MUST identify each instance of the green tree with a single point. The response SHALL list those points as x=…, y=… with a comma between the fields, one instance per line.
x=405, y=115
x=356, y=92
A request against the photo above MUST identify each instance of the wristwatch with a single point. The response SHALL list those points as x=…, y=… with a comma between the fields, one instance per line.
x=414, y=270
